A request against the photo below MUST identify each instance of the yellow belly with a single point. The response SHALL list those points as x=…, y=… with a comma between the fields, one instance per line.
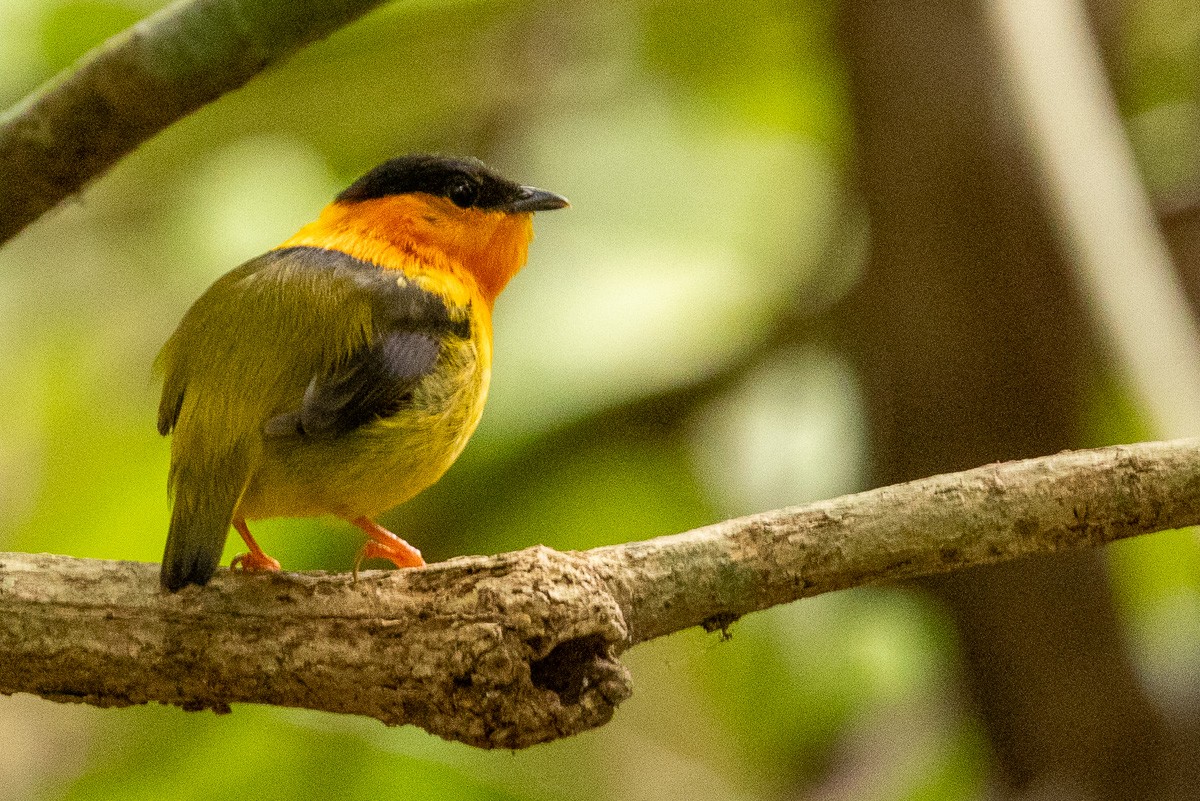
x=381, y=464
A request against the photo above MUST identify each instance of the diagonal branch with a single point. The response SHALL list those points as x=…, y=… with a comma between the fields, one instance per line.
x=1070, y=116
x=77, y=126
x=520, y=648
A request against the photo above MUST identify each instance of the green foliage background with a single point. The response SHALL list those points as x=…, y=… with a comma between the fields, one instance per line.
x=706, y=149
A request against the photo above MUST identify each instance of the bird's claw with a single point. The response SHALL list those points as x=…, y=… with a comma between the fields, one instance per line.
x=255, y=563
x=403, y=555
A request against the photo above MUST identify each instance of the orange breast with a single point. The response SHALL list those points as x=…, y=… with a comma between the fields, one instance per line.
x=448, y=249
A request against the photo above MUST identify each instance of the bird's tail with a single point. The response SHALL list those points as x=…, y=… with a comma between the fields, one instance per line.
x=200, y=518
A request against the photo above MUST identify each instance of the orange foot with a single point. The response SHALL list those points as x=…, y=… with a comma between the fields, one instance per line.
x=257, y=559
x=383, y=544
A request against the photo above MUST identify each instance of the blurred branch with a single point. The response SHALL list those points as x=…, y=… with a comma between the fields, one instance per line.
x=1070, y=116
x=79, y=124
x=520, y=648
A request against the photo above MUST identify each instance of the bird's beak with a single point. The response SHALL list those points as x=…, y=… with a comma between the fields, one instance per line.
x=533, y=199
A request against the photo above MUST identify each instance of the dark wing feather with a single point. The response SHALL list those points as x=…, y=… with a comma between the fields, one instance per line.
x=376, y=382
x=169, y=407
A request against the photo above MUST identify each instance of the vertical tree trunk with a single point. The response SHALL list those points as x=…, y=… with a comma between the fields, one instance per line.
x=974, y=348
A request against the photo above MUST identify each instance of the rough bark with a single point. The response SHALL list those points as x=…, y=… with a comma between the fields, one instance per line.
x=520, y=648
x=498, y=652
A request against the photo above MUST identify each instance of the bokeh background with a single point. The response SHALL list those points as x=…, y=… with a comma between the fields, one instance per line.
x=809, y=252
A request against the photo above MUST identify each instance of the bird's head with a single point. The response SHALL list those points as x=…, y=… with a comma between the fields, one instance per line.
x=453, y=206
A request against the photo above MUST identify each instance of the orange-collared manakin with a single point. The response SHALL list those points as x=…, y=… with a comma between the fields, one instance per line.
x=342, y=372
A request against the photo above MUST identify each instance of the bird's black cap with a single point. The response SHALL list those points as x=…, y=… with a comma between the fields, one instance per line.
x=467, y=183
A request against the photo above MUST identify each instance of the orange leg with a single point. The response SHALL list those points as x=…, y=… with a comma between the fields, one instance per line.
x=257, y=559
x=383, y=544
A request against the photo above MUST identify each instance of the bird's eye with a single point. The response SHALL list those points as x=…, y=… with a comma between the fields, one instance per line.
x=463, y=192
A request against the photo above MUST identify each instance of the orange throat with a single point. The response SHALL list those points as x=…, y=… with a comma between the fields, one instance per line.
x=426, y=236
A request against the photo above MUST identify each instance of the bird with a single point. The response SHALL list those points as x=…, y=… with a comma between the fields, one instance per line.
x=342, y=372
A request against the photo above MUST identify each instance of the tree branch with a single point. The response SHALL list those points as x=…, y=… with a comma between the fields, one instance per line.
x=520, y=648
x=78, y=125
